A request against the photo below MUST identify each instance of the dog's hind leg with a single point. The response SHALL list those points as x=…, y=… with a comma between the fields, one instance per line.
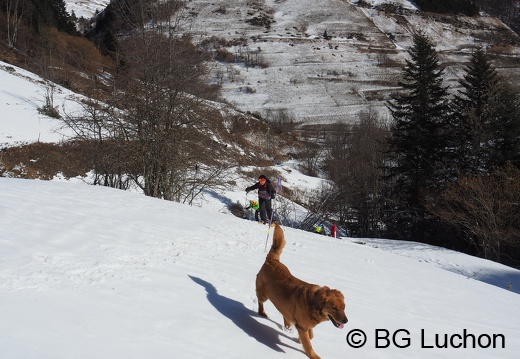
x=305, y=339
x=261, y=295
x=261, y=310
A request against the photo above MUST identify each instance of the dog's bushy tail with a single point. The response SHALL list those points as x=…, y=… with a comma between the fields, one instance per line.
x=278, y=243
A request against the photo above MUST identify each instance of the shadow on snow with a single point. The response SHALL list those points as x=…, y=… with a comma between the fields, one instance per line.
x=243, y=318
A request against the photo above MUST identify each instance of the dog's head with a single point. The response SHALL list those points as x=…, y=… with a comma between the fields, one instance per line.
x=331, y=306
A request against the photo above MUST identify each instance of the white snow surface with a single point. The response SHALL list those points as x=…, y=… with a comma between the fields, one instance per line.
x=93, y=272
x=22, y=93
x=88, y=8
x=85, y=8
x=405, y=4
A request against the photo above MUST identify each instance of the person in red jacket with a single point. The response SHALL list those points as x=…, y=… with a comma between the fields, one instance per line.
x=334, y=230
x=266, y=193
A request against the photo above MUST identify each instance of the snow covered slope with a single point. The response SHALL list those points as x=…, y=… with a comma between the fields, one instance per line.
x=22, y=93
x=92, y=272
x=85, y=8
x=318, y=79
x=321, y=80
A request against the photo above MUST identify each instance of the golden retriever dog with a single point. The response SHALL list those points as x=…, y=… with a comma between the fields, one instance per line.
x=302, y=304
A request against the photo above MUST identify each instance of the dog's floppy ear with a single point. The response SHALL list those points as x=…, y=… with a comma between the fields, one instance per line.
x=320, y=298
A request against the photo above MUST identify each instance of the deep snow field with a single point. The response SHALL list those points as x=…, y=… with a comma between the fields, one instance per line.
x=92, y=272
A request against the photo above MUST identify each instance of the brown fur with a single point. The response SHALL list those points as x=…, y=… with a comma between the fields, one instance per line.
x=302, y=304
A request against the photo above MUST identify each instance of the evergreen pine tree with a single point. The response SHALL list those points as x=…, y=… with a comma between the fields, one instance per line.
x=487, y=119
x=505, y=129
x=473, y=113
x=419, y=142
x=52, y=13
x=63, y=20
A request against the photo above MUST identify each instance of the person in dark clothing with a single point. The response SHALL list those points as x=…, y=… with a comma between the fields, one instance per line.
x=266, y=193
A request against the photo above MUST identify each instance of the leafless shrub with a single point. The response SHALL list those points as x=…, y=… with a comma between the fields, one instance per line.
x=500, y=49
x=224, y=55
x=485, y=208
x=302, y=26
x=281, y=121
x=311, y=155
x=355, y=155
x=48, y=108
x=248, y=89
x=222, y=9
x=250, y=57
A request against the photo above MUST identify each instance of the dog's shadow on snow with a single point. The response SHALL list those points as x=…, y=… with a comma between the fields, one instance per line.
x=244, y=318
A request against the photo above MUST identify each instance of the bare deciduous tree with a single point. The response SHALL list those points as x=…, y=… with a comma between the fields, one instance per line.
x=354, y=164
x=485, y=208
x=14, y=13
x=159, y=91
x=281, y=120
x=366, y=166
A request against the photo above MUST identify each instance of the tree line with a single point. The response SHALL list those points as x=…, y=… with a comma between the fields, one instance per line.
x=36, y=14
x=445, y=170
x=150, y=132
x=41, y=37
x=466, y=7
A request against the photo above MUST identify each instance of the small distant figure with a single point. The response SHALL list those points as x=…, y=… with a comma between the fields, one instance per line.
x=253, y=204
x=266, y=193
x=320, y=229
x=334, y=230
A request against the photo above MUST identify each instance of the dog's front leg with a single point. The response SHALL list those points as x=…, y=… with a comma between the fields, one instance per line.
x=306, y=342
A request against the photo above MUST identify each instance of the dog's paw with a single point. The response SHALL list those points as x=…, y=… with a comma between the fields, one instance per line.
x=287, y=325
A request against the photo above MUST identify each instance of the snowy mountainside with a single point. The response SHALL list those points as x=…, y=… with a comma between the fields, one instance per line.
x=22, y=93
x=321, y=80
x=318, y=79
x=85, y=8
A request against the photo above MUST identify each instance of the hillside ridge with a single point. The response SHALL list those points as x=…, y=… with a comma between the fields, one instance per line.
x=326, y=61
